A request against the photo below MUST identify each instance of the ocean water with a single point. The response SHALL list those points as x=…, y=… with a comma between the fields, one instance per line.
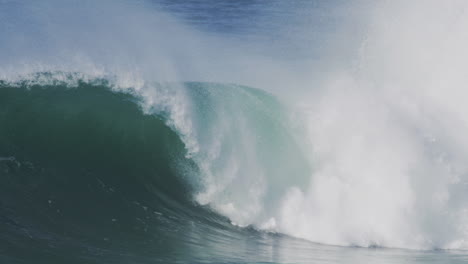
x=138, y=131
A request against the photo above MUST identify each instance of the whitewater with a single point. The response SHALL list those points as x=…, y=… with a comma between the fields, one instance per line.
x=233, y=132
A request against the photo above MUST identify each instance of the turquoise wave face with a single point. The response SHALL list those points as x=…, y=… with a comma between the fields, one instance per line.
x=248, y=151
x=88, y=171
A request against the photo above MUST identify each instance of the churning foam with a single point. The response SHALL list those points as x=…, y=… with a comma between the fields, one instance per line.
x=388, y=137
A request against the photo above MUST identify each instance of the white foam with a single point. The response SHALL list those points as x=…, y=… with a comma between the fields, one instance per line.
x=389, y=136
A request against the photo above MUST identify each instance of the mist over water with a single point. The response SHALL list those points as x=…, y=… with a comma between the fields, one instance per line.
x=356, y=135
x=387, y=136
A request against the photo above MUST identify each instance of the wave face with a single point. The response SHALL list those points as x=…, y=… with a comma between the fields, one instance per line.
x=82, y=167
x=89, y=170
